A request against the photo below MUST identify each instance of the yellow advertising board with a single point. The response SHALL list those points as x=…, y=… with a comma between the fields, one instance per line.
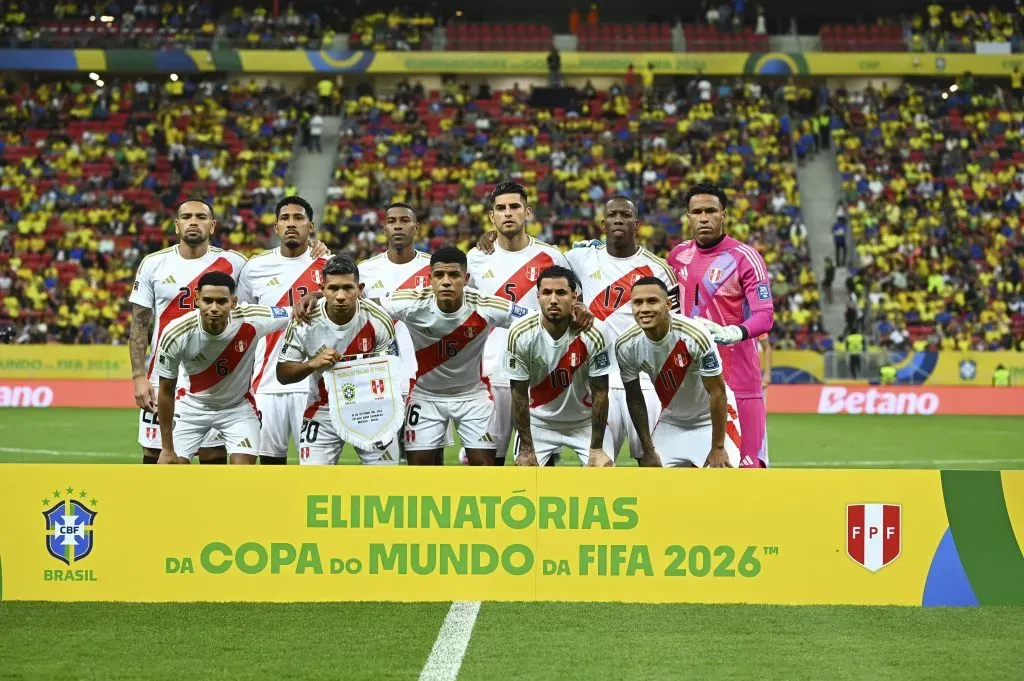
x=104, y=533
x=59, y=361
x=959, y=368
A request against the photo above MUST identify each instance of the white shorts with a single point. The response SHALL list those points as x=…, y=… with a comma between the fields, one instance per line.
x=237, y=428
x=679, y=446
x=621, y=426
x=501, y=422
x=548, y=441
x=427, y=423
x=149, y=433
x=320, y=445
x=281, y=414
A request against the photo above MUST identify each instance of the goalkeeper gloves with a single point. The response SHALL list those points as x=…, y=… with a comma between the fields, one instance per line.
x=723, y=335
x=593, y=243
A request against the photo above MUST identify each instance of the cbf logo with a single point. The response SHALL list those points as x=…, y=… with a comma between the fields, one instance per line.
x=968, y=370
x=348, y=391
x=69, y=525
x=873, y=534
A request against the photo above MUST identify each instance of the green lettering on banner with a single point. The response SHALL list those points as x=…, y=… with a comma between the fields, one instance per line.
x=207, y=557
x=529, y=513
x=467, y=513
x=526, y=560
x=259, y=557
x=383, y=558
x=596, y=514
x=281, y=555
x=383, y=512
x=490, y=510
x=441, y=514
x=454, y=561
x=624, y=507
x=552, y=513
x=480, y=551
x=424, y=558
x=316, y=506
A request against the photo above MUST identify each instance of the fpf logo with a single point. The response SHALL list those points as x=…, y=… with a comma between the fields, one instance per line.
x=874, y=534
x=532, y=273
x=377, y=387
x=714, y=275
x=69, y=525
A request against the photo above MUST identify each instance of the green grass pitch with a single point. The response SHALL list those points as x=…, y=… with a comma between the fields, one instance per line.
x=526, y=640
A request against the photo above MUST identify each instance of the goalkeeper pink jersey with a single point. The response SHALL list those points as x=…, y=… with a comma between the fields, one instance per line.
x=728, y=283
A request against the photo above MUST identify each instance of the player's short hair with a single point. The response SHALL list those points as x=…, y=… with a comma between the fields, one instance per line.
x=627, y=199
x=294, y=201
x=651, y=281
x=707, y=188
x=400, y=204
x=506, y=187
x=202, y=201
x=217, y=279
x=449, y=255
x=559, y=272
x=341, y=264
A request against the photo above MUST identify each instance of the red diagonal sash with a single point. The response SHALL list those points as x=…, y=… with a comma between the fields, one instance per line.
x=308, y=281
x=363, y=342
x=229, y=358
x=436, y=354
x=617, y=294
x=521, y=282
x=419, y=280
x=549, y=388
x=671, y=376
x=175, y=310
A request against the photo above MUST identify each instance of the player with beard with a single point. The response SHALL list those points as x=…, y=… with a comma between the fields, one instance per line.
x=166, y=288
x=726, y=282
x=279, y=277
x=511, y=272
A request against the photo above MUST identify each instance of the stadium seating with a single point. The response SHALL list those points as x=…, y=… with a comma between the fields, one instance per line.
x=87, y=190
x=392, y=30
x=443, y=152
x=956, y=29
x=935, y=184
x=607, y=37
x=462, y=35
x=862, y=38
x=704, y=38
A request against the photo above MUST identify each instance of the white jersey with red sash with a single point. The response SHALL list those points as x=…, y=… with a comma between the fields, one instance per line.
x=559, y=371
x=511, y=275
x=449, y=346
x=219, y=368
x=166, y=283
x=271, y=278
x=370, y=330
x=381, y=277
x=607, y=282
x=675, y=364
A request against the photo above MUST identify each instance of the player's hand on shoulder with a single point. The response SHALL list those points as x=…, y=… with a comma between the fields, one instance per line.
x=302, y=311
x=650, y=459
x=718, y=458
x=327, y=358
x=526, y=457
x=598, y=459
x=592, y=243
x=582, y=317
x=318, y=249
x=486, y=241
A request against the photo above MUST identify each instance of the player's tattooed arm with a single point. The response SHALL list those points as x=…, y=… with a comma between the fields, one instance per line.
x=521, y=418
x=637, y=408
x=598, y=422
x=165, y=405
x=715, y=385
x=138, y=341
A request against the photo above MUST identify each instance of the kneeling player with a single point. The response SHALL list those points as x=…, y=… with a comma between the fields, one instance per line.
x=552, y=367
x=695, y=428
x=342, y=326
x=215, y=345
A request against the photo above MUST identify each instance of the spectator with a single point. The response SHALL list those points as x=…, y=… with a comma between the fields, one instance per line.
x=592, y=16
x=316, y=130
x=574, y=21
x=555, y=67
x=761, y=25
x=839, y=240
x=829, y=281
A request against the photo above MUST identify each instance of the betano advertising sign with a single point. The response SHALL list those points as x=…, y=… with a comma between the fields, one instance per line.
x=90, y=533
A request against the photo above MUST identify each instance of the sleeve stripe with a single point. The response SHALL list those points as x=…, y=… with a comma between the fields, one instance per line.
x=169, y=338
x=755, y=260
x=520, y=329
x=631, y=332
x=669, y=272
x=380, y=316
x=596, y=338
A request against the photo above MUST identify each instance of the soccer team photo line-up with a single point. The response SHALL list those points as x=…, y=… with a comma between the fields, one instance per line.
x=514, y=345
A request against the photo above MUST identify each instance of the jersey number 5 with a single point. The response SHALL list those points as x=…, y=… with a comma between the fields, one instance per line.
x=510, y=291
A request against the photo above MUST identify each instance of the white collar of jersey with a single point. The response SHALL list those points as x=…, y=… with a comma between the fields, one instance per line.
x=639, y=250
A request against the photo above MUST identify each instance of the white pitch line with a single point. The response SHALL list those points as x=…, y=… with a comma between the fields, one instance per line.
x=55, y=452
x=452, y=640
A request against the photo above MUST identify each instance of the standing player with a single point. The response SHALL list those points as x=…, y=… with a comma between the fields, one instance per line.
x=215, y=345
x=726, y=282
x=694, y=419
x=559, y=378
x=449, y=326
x=511, y=272
x=342, y=326
x=280, y=277
x=165, y=285
x=399, y=268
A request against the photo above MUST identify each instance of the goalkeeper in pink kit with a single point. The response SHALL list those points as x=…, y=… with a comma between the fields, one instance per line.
x=725, y=282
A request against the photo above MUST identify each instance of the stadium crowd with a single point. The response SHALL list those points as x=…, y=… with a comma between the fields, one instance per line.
x=89, y=175
x=957, y=29
x=442, y=151
x=934, y=186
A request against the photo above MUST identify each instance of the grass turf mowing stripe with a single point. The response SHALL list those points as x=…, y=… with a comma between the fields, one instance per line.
x=446, y=656
x=984, y=538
